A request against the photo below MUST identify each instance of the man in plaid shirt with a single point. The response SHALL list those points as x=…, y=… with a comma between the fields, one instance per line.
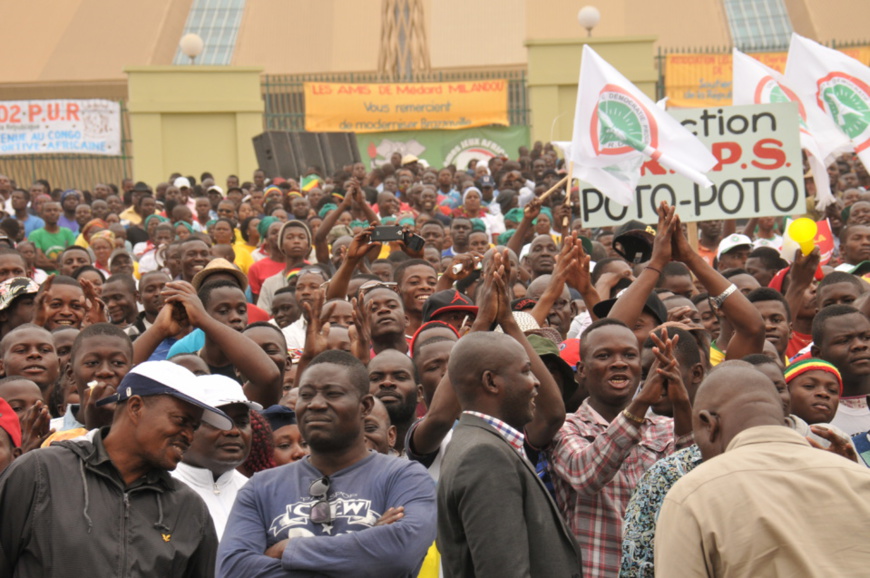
x=605, y=447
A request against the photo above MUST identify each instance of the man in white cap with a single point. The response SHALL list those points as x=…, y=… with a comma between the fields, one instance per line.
x=209, y=466
x=734, y=251
x=183, y=186
x=106, y=504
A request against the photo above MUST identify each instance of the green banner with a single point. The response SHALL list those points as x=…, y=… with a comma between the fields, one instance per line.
x=440, y=148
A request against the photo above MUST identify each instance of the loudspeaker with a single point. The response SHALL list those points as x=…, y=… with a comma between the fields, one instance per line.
x=275, y=154
x=289, y=154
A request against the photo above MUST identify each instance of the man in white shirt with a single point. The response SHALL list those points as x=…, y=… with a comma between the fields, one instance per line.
x=209, y=465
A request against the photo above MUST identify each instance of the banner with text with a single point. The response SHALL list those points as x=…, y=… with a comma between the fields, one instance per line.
x=440, y=148
x=362, y=108
x=60, y=126
x=759, y=170
x=698, y=79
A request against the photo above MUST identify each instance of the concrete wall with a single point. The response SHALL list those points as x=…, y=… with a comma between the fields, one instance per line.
x=192, y=119
x=554, y=71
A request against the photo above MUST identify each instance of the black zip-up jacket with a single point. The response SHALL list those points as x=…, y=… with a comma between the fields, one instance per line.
x=65, y=512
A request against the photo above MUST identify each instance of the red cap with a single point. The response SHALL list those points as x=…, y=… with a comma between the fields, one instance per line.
x=9, y=422
x=569, y=351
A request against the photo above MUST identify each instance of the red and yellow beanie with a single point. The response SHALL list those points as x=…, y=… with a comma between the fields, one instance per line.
x=812, y=364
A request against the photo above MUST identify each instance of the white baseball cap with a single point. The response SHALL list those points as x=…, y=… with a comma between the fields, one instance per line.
x=216, y=188
x=181, y=182
x=220, y=390
x=167, y=378
x=732, y=242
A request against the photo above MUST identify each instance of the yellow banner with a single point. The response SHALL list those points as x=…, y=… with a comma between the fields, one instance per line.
x=340, y=107
x=695, y=80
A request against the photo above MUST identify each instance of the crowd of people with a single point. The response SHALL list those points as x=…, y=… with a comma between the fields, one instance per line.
x=411, y=371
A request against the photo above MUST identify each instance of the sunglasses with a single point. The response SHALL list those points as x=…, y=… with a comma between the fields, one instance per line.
x=370, y=286
x=320, y=512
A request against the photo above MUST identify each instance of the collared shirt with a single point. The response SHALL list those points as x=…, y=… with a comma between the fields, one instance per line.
x=596, y=466
x=771, y=505
x=643, y=509
x=513, y=437
x=218, y=495
x=295, y=334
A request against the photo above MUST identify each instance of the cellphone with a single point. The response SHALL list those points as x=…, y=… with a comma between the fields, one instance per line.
x=414, y=242
x=387, y=233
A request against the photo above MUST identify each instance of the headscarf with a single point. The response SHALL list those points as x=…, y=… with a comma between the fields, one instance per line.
x=515, y=215
x=546, y=211
x=184, y=224
x=478, y=225
x=105, y=234
x=506, y=236
x=91, y=226
x=263, y=226
x=468, y=190
x=151, y=217
x=812, y=364
x=326, y=209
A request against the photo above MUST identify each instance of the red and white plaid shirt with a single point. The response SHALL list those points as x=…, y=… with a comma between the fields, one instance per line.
x=514, y=438
x=596, y=466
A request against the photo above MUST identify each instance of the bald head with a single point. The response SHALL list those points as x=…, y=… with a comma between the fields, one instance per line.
x=734, y=397
x=473, y=361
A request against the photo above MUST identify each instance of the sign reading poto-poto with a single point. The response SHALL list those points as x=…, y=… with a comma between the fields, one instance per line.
x=759, y=173
x=362, y=108
x=60, y=126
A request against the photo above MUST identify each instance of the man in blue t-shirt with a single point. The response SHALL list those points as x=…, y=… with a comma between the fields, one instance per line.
x=343, y=510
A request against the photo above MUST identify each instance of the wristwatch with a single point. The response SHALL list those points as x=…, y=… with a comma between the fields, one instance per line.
x=716, y=302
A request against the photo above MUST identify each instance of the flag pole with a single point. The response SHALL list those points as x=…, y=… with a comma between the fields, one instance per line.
x=566, y=220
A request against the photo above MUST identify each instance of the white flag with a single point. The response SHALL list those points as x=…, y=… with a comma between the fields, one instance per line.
x=616, y=126
x=837, y=84
x=756, y=83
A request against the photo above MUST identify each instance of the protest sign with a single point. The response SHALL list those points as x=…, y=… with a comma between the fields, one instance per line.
x=699, y=79
x=440, y=148
x=60, y=126
x=362, y=108
x=759, y=170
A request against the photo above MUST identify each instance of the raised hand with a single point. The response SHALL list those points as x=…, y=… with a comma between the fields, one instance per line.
x=839, y=445
x=359, y=333
x=361, y=244
x=35, y=427
x=317, y=332
x=662, y=244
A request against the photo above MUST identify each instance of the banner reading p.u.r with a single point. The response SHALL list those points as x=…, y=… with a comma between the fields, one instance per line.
x=362, y=108
x=60, y=126
x=759, y=170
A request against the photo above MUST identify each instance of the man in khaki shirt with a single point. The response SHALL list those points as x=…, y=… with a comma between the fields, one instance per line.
x=770, y=504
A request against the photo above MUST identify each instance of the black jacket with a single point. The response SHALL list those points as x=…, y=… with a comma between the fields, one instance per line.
x=65, y=511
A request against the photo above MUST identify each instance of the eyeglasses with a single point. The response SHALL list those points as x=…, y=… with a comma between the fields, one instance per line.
x=320, y=512
x=370, y=286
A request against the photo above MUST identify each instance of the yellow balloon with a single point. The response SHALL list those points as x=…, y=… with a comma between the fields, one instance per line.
x=802, y=230
x=807, y=247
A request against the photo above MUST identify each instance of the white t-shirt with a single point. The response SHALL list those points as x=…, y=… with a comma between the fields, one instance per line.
x=853, y=415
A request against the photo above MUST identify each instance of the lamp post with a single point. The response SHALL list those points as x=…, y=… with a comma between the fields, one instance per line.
x=588, y=17
x=191, y=45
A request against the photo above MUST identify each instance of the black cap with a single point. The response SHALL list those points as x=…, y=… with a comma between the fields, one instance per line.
x=635, y=246
x=653, y=306
x=279, y=416
x=523, y=304
x=141, y=187
x=449, y=300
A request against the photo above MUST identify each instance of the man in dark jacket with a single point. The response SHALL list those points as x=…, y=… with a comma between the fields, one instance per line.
x=495, y=517
x=106, y=505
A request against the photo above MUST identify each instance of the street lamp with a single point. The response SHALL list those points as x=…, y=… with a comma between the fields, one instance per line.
x=588, y=17
x=191, y=46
